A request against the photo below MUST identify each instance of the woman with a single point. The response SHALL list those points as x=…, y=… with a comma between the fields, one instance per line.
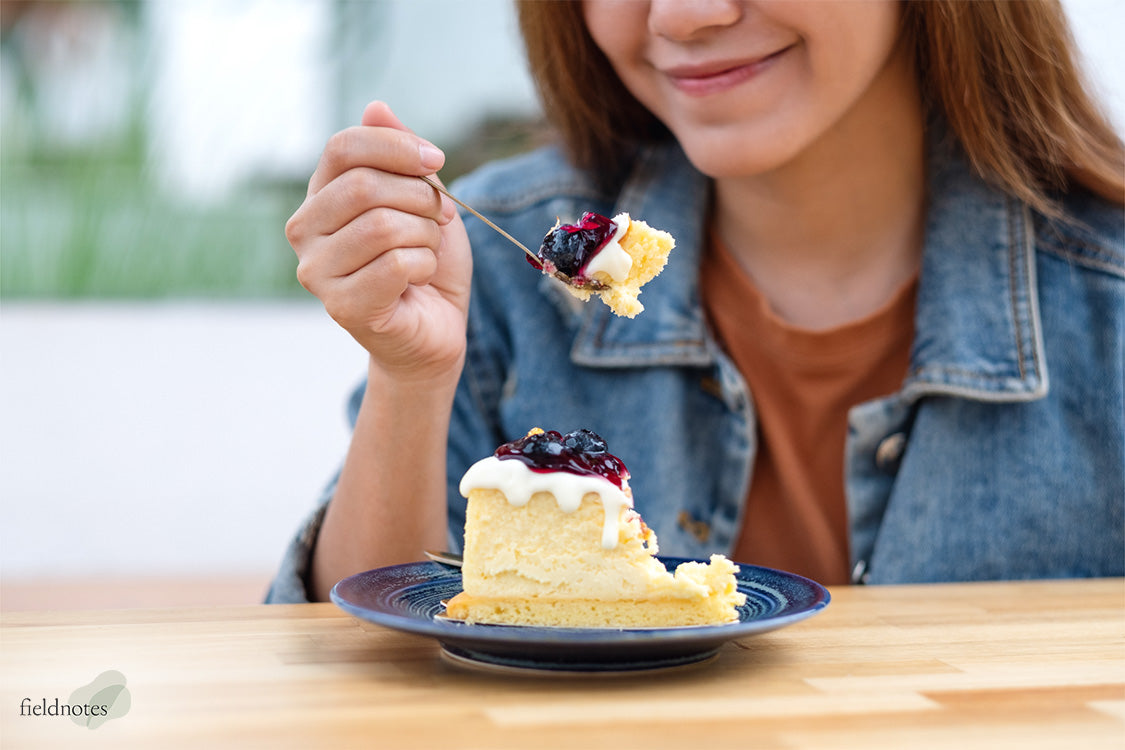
x=887, y=346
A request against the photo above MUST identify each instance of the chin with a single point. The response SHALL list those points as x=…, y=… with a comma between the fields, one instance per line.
x=742, y=153
x=719, y=163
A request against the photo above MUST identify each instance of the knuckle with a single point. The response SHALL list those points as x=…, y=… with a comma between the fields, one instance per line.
x=340, y=149
x=341, y=310
x=342, y=142
x=360, y=187
x=373, y=226
x=307, y=275
x=390, y=228
x=294, y=229
x=404, y=262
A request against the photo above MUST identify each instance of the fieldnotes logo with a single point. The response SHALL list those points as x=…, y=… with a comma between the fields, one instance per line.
x=89, y=706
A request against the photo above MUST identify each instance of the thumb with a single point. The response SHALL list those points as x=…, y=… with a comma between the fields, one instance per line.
x=378, y=114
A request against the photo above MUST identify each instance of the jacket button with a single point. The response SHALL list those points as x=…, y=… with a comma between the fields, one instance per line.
x=859, y=572
x=701, y=530
x=889, y=452
x=711, y=386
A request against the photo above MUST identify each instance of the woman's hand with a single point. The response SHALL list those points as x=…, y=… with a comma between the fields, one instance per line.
x=385, y=252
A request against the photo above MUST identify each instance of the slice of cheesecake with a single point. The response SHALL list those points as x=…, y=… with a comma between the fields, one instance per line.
x=551, y=538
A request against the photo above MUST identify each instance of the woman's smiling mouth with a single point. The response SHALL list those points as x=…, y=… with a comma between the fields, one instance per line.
x=712, y=78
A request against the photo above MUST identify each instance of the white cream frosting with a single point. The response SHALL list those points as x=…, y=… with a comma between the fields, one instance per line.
x=518, y=483
x=612, y=259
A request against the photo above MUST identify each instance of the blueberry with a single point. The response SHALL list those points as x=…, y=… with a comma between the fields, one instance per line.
x=578, y=452
x=585, y=441
x=569, y=246
x=540, y=445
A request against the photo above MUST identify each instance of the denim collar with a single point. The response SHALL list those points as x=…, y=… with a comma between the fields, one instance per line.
x=978, y=332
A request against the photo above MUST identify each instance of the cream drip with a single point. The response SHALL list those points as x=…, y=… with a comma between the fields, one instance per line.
x=612, y=259
x=518, y=483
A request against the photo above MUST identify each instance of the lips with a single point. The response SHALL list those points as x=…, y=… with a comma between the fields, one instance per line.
x=715, y=77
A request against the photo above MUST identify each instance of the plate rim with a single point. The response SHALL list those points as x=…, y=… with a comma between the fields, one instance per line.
x=456, y=632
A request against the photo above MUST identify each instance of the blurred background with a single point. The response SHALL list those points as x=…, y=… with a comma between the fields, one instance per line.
x=171, y=402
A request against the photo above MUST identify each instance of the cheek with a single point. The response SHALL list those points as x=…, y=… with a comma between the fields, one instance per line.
x=863, y=35
x=617, y=26
x=847, y=52
x=843, y=30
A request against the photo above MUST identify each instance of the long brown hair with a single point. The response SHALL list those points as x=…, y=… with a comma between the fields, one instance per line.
x=1004, y=74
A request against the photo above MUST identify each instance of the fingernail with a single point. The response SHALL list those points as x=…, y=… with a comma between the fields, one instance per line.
x=432, y=157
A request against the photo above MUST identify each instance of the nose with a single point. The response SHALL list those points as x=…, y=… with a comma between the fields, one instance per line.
x=685, y=20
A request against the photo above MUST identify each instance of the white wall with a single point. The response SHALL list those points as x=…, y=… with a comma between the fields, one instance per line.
x=153, y=439
x=1098, y=27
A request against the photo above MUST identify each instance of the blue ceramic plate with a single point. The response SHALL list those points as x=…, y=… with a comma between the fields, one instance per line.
x=409, y=598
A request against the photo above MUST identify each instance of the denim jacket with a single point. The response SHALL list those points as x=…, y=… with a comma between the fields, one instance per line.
x=1001, y=457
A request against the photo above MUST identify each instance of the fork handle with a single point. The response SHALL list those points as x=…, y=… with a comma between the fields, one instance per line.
x=475, y=213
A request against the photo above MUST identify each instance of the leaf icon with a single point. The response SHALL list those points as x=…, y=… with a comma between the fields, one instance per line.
x=105, y=698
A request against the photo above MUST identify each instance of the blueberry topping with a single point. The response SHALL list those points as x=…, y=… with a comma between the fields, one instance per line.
x=579, y=452
x=567, y=248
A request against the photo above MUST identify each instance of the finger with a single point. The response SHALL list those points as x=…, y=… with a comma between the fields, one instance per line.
x=373, y=290
x=379, y=114
x=383, y=148
x=363, y=240
x=357, y=191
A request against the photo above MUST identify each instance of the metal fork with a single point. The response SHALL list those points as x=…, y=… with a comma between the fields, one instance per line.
x=477, y=214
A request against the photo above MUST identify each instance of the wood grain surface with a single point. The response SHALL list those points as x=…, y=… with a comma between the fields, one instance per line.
x=989, y=665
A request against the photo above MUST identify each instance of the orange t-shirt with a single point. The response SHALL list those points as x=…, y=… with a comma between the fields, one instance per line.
x=803, y=383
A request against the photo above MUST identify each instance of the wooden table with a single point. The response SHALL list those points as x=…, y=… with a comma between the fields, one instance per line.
x=996, y=665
